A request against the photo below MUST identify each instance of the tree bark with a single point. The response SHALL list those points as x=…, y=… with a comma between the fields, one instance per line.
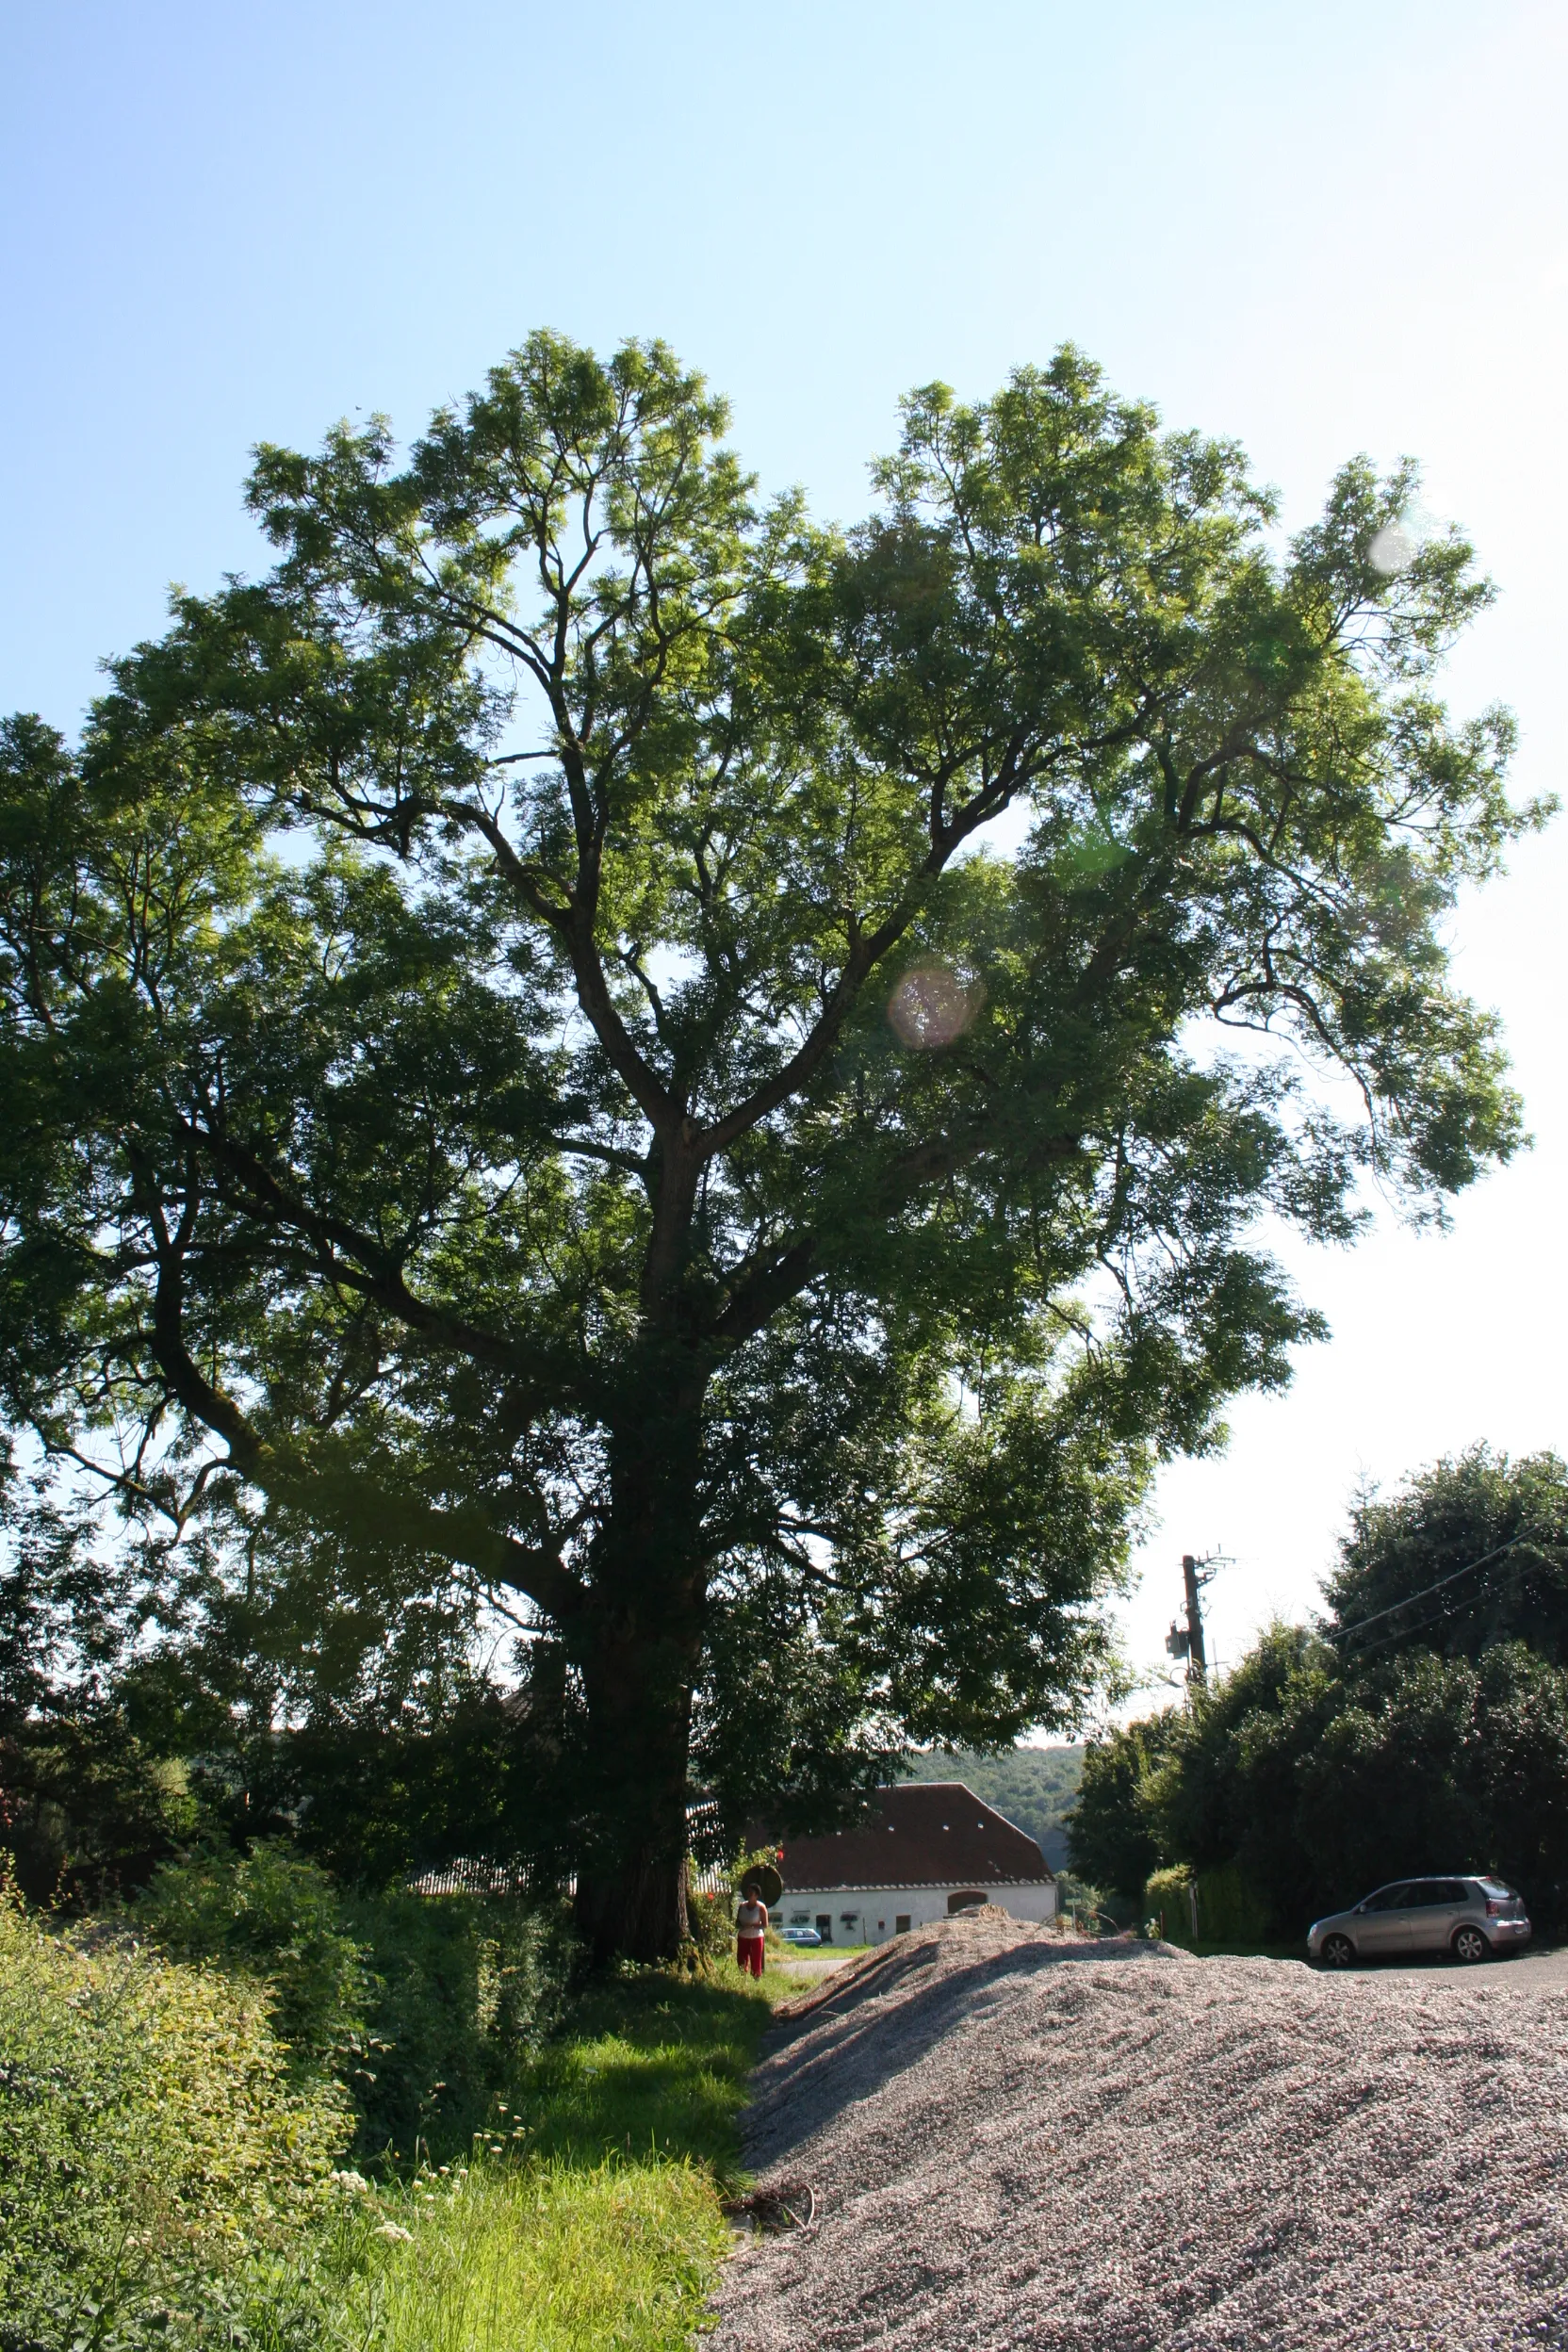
x=639, y=1649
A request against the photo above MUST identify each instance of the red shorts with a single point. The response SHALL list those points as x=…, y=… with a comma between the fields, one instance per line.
x=748, y=1953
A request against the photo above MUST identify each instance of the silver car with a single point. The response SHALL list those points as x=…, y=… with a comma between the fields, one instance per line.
x=1473, y=1917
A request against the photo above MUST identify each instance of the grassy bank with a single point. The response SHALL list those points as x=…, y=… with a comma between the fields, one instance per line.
x=585, y=2213
x=590, y=2216
x=546, y=2256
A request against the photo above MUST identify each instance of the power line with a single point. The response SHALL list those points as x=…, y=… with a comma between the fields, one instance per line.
x=1441, y=1616
x=1515, y=1543
x=1343, y=1633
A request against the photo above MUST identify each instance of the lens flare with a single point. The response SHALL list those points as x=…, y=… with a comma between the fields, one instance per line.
x=1394, y=548
x=932, y=1004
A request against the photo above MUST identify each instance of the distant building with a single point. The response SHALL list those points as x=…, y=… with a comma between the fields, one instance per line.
x=925, y=1849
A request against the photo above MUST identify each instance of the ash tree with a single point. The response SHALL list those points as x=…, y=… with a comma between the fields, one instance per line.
x=593, y=1053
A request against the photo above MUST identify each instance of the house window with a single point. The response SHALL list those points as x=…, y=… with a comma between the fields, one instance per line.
x=901, y=1922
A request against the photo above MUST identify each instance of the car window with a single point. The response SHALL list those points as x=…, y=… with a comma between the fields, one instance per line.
x=1388, y=1898
x=1495, y=1887
x=1423, y=1892
x=1455, y=1891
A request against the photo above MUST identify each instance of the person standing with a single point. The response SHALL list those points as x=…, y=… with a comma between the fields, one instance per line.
x=751, y=1927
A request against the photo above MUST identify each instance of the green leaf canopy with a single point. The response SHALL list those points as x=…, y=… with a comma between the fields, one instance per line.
x=534, y=1098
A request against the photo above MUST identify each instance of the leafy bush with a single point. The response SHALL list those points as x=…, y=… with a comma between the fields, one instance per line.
x=1095, y=1908
x=163, y=2179
x=276, y=1916
x=1228, y=1908
x=84, y=1812
x=1167, y=1901
x=423, y=2005
x=711, y=1920
x=466, y=1986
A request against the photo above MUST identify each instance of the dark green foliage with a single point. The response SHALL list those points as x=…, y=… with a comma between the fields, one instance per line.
x=377, y=1802
x=1231, y=1915
x=423, y=2007
x=1034, y=1787
x=1113, y=1839
x=525, y=1114
x=276, y=1916
x=467, y=1986
x=85, y=1812
x=1318, y=1786
x=1209, y=1799
x=1492, y=1535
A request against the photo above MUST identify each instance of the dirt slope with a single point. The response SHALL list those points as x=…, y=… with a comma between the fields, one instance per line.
x=1015, y=2142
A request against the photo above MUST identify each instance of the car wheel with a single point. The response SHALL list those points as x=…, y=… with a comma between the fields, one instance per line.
x=1470, y=1945
x=1338, y=1951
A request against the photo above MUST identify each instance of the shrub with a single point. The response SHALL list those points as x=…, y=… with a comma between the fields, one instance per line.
x=1167, y=1901
x=276, y=1918
x=464, y=1988
x=711, y=1919
x=422, y=2004
x=1228, y=1908
x=160, y=2171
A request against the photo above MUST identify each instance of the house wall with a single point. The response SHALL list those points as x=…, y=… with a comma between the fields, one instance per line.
x=870, y=1914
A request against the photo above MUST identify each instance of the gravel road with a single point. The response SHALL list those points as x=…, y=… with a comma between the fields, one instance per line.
x=1009, y=2140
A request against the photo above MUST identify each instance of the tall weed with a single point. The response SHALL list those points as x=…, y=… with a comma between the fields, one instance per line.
x=467, y=1988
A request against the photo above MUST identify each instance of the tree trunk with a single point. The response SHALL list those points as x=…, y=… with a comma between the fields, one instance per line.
x=632, y=1871
x=639, y=1648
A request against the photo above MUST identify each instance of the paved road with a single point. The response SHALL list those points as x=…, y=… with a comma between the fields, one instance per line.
x=1533, y=1969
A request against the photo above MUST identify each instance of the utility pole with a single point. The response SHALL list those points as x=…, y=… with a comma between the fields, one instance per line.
x=1197, y=1661
x=1188, y=1640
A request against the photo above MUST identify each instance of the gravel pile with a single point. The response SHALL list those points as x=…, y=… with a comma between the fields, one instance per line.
x=1010, y=2140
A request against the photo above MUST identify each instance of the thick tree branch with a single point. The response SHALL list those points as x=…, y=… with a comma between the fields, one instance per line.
x=329, y=1488
x=371, y=1270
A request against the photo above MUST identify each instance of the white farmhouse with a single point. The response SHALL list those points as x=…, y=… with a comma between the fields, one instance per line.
x=922, y=1850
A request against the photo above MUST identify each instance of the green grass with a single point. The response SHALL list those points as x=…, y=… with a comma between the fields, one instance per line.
x=590, y=2214
x=548, y=2256
x=654, y=2065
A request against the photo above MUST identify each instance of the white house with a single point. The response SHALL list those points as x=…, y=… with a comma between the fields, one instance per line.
x=923, y=1850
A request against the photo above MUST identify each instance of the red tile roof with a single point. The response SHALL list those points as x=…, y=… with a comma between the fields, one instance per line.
x=932, y=1833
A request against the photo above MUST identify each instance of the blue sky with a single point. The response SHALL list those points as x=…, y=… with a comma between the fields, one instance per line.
x=1321, y=230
